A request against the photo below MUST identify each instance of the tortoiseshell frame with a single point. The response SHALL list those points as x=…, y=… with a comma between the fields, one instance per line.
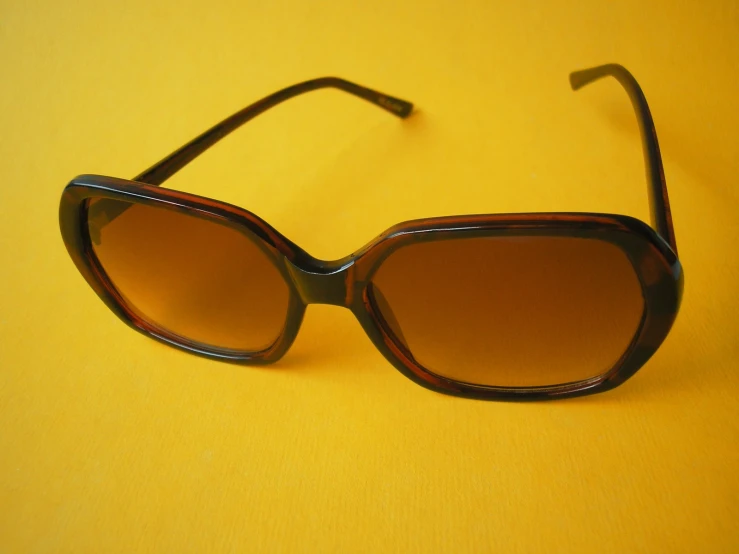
x=347, y=282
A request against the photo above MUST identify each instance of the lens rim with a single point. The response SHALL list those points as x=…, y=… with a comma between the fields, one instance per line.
x=346, y=282
x=656, y=266
x=76, y=236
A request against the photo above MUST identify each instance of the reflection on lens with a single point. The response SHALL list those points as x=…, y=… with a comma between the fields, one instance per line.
x=192, y=277
x=511, y=311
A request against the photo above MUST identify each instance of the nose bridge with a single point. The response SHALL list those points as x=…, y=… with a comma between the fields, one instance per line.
x=326, y=284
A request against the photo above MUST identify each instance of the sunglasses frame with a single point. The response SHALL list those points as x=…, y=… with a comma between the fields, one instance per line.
x=347, y=282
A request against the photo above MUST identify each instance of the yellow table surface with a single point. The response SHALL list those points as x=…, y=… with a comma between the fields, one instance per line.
x=112, y=442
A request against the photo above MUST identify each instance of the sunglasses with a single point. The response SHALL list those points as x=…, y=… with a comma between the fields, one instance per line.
x=499, y=307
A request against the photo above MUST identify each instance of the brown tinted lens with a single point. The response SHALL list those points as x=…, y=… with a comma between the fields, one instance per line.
x=511, y=311
x=190, y=276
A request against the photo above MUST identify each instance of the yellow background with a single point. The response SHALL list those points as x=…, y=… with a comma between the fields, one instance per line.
x=111, y=442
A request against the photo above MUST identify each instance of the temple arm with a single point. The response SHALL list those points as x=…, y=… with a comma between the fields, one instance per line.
x=164, y=169
x=103, y=211
x=658, y=199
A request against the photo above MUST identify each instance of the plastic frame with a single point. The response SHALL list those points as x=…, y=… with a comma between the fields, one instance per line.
x=347, y=282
